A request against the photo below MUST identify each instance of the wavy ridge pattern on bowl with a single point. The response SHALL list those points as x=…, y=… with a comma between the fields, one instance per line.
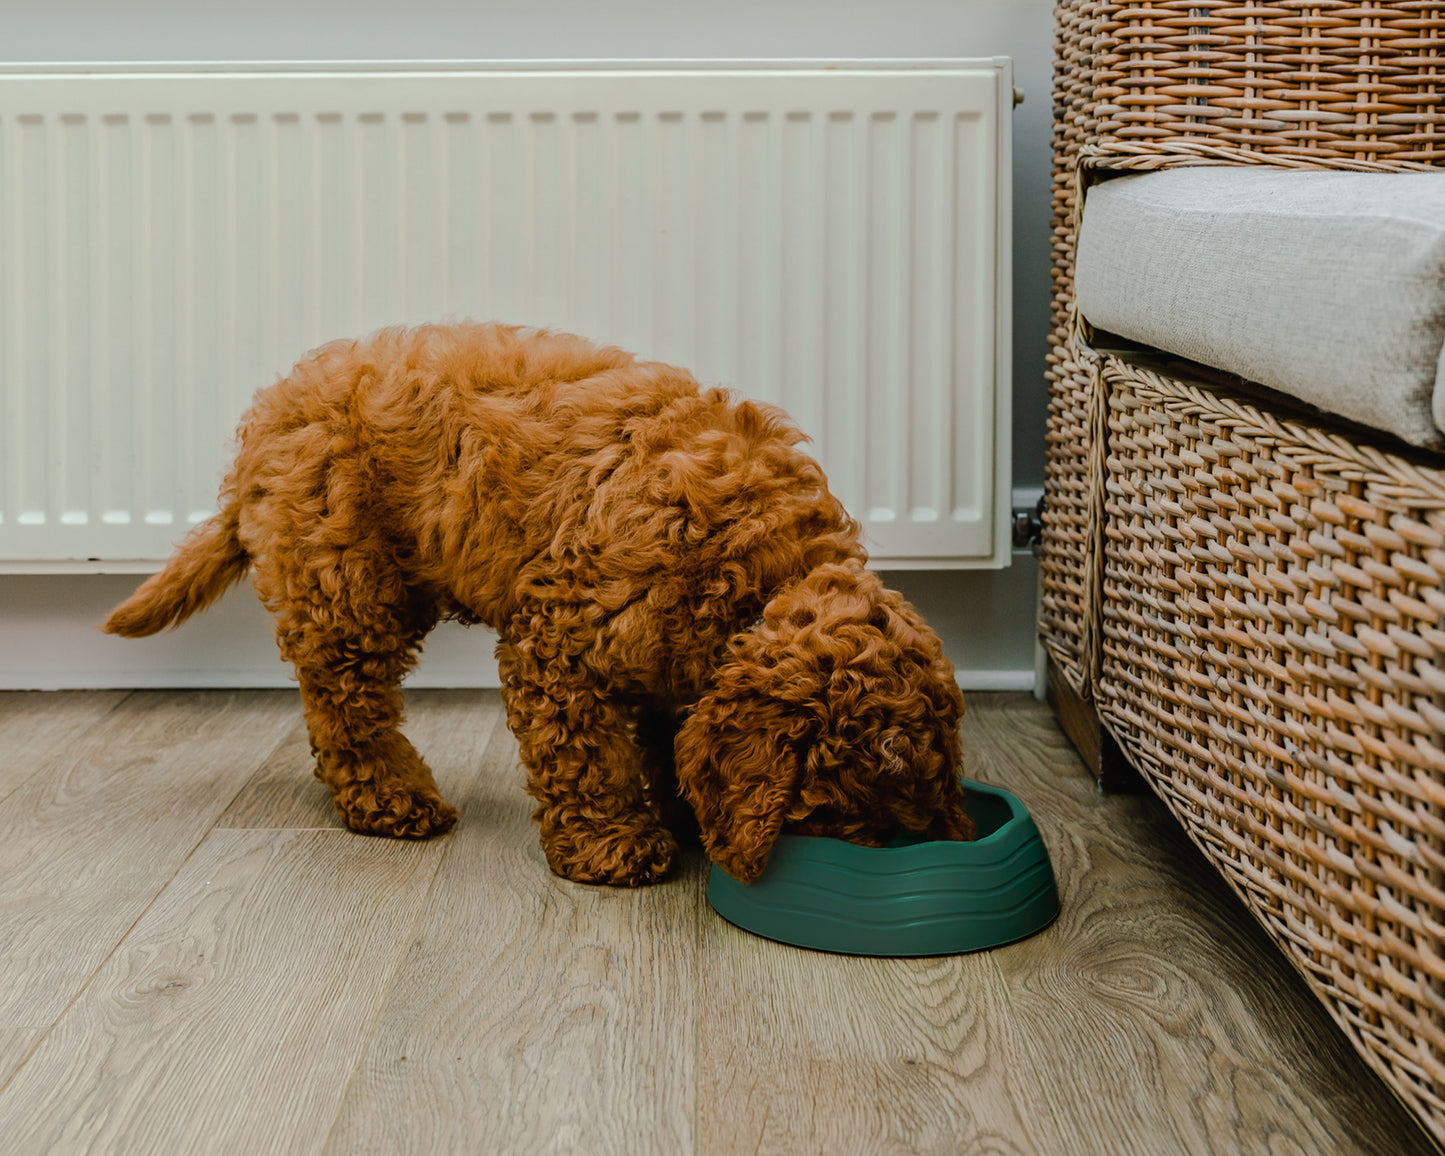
x=913, y=897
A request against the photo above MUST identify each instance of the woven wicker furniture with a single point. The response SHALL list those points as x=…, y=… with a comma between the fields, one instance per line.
x=1244, y=599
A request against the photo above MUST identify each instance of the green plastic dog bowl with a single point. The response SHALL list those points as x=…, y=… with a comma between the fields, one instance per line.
x=913, y=897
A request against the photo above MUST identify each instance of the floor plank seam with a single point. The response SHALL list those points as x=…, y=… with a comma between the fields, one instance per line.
x=363, y=1050
x=412, y=938
x=95, y=722
x=81, y=989
x=40, y=1039
x=114, y=947
x=246, y=782
x=291, y=827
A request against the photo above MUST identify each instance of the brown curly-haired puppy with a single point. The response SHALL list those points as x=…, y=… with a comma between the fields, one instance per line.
x=680, y=600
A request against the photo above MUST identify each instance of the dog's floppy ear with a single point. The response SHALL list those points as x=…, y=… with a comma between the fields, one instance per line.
x=740, y=767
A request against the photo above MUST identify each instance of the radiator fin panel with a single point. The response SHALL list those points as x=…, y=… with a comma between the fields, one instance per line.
x=169, y=243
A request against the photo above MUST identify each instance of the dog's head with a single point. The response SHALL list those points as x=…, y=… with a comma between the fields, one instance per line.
x=836, y=715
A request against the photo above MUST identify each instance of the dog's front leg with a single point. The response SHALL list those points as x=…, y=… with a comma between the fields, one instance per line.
x=584, y=771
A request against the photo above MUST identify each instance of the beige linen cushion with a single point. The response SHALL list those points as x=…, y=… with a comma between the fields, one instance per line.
x=1329, y=286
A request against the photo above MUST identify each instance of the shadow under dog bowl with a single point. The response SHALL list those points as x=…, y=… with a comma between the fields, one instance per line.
x=915, y=896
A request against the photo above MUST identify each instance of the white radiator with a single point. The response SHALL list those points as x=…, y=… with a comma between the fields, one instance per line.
x=831, y=239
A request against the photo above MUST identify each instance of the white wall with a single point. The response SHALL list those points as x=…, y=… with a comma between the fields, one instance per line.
x=47, y=634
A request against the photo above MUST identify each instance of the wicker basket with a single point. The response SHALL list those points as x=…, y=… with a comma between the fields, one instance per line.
x=1149, y=85
x=1255, y=602
x=1273, y=658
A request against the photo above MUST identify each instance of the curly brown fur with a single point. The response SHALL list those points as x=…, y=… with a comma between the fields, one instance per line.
x=649, y=552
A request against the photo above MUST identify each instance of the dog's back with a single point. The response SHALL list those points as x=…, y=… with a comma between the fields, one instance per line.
x=487, y=460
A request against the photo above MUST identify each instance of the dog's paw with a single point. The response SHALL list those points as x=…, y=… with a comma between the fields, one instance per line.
x=397, y=814
x=618, y=856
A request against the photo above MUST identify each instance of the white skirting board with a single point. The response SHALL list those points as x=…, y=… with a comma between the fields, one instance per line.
x=50, y=637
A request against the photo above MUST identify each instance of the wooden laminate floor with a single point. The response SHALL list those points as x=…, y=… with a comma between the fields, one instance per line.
x=194, y=957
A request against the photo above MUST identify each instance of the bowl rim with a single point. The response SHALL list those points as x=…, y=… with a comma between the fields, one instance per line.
x=803, y=849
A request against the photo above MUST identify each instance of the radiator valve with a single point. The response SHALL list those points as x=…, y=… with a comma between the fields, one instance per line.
x=1028, y=526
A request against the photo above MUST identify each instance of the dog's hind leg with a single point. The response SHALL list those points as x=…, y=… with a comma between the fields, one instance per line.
x=351, y=646
x=584, y=770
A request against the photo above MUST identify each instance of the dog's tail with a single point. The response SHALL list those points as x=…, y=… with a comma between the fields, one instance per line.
x=208, y=561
